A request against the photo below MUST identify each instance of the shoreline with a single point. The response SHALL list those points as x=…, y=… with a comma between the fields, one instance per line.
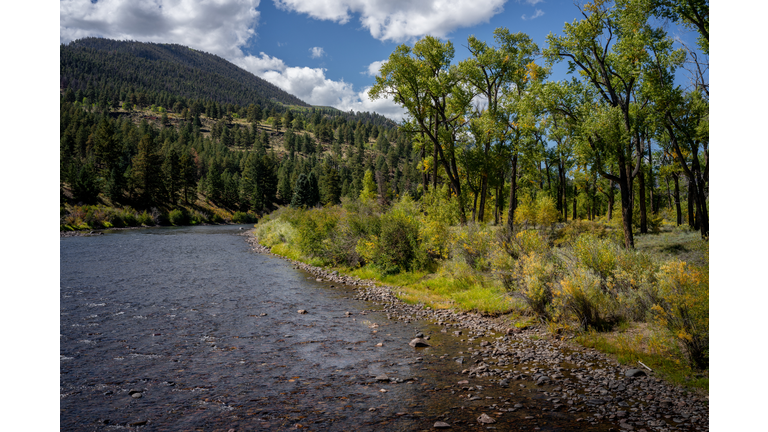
x=604, y=390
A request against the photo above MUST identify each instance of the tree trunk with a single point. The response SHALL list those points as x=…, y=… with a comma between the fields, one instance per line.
x=677, y=200
x=483, y=193
x=641, y=193
x=654, y=203
x=424, y=178
x=691, y=199
x=575, y=200
x=512, y=194
x=434, y=157
x=611, y=194
x=626, y=209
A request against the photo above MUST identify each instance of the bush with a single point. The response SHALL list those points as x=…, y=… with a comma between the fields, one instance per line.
x=538, y=274
x=178, y=217
x=684, y=308
x=474, y=245
x=146, y=219
x=216, y=218
x=580, y=294
x=243, y=217
x=598, y=255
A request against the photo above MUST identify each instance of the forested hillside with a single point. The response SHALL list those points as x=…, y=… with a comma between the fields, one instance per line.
x=117, y=69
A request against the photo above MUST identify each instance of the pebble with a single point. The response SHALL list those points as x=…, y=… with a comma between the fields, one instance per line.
x=485, y=419
x=441, y=425
x=302, y=311
x=418, y=342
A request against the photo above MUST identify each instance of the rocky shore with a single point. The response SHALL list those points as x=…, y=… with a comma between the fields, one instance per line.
x=583, y=382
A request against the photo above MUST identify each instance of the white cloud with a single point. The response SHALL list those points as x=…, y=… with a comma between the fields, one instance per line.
x=317, y=52
x=312, y=86
x=400, y=20
x=533, y=2
x=374, y=68
x=221, y=27
x=538, y=13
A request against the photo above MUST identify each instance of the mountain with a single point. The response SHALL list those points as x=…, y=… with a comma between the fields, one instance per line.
x=115, y=68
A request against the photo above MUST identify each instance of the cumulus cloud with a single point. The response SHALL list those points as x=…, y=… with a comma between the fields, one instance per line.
x=538, y=13
x=312, y=86
x=374, y=68
x=221, y=27
x=400, y=20
x=317, y=52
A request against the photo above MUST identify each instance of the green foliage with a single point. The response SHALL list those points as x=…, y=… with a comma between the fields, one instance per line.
x=684, y=308
x=399, y=239
x=178, y=217
x=243, y=217
x=580, y=293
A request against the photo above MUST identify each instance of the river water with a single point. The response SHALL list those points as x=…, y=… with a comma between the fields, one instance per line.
x=189, y=329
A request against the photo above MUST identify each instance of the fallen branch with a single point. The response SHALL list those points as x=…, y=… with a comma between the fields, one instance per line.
x=645, y=366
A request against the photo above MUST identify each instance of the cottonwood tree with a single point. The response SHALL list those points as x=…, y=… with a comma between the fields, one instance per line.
x=501, y=76
x=423, y=81
x=610, y=48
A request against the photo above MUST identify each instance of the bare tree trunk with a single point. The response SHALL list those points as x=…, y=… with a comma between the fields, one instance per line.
x=691, y=194
x=651, y=182
x=641, y=193
x=677, y=200
x=575, y=199
x=424, y=178
x=611, y=194
x=483, y=193
x=512, y=194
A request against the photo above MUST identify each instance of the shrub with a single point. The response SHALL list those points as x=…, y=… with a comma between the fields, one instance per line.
x=546, y=210
x=178, y=217
x=597, y=255
x=580, y=294
x=473, y=244
x=198, y=217
x=146, y=219
x=398, y=242
x=526, y=212
x=538, y=274
x=216, y=218
x=684, y=308
x=274, y=232
x=243, y=217
x=129, y=217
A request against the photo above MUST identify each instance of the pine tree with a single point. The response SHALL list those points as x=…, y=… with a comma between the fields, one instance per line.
x=302, y=193
x=147, y=172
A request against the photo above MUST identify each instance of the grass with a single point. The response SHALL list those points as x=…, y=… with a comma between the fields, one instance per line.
x=679, y=243
x=630, y=343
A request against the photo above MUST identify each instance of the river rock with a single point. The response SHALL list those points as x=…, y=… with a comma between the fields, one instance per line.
x=302, y=311
x=634, y=373
x=418, y=342
x=441, y=425
x=485, y=419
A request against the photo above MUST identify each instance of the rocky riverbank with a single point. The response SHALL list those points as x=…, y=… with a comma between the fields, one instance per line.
x=574, y=380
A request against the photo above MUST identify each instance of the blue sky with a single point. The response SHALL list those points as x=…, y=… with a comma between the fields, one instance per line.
x=326, y=52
